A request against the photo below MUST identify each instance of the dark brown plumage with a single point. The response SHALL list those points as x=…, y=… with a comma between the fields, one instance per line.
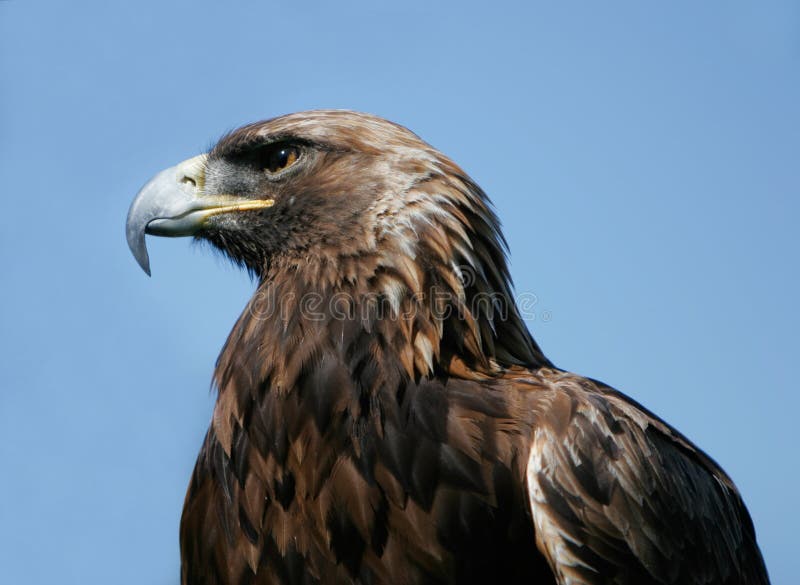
x=384, y=416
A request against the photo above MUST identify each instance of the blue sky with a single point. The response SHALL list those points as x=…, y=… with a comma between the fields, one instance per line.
x=643, y=159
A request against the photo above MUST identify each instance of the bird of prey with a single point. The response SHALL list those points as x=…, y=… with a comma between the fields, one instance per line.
x=384, y=415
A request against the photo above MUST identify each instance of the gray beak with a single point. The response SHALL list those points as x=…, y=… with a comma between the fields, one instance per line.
x=173, y=204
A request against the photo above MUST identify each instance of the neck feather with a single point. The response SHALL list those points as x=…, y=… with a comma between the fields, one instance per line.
x=428, y=294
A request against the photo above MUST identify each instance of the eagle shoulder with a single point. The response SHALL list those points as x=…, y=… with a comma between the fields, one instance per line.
x=618, y=496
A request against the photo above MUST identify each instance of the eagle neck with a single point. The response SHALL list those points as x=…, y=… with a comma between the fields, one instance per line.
x=406, y=315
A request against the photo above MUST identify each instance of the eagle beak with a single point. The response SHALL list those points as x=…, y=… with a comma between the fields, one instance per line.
x=173, y=204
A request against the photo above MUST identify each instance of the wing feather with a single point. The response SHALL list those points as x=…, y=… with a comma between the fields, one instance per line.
x=617, y=496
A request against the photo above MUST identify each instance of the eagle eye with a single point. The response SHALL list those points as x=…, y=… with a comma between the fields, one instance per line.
x=279, y=157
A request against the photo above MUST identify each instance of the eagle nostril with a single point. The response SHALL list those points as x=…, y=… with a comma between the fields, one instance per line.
x=190, y=173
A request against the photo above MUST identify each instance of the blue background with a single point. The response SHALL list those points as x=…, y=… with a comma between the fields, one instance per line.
x=643, y=157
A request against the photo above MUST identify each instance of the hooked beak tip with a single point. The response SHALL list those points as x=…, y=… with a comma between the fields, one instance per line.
x=169, y=194
x=138, y=246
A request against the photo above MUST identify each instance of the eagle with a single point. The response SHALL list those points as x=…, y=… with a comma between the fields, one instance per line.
x=383, y=413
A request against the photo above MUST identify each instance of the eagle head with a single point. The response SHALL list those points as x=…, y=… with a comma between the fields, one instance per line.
x=321, y=185
x=346, y=202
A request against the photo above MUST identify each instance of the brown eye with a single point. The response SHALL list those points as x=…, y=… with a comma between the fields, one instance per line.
x=281, y=157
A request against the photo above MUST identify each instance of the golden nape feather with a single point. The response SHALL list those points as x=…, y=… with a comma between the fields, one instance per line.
x=384, y=415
